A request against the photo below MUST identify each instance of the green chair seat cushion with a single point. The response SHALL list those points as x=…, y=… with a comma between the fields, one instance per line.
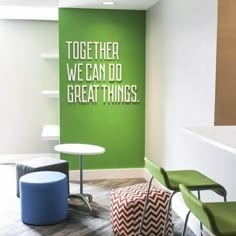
x=224, y=216
x=193, y=180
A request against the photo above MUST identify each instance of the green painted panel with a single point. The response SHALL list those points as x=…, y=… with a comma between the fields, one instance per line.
x=94, y=109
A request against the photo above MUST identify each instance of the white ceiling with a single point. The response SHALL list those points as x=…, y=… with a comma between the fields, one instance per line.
x=33, y=3
x=120, y=4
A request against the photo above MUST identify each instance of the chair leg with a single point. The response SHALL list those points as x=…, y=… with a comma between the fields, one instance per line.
x=145, y=206
x=185, y=224
x=225, y=195
x=225, y=198
x=199, y=197
x=167, y=212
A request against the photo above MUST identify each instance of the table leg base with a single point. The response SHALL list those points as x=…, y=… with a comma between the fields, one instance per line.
x=89, y=196
x=83, y=197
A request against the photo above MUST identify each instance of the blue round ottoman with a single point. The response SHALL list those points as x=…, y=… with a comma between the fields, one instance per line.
x=43, y=197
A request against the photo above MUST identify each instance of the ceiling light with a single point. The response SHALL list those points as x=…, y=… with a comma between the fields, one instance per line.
x=108, y=3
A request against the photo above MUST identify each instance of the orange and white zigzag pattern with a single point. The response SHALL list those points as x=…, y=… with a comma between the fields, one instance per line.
x=127, y=206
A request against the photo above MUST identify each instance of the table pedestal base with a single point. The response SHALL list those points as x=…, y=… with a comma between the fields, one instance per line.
x=80, y=149
x=83, y=197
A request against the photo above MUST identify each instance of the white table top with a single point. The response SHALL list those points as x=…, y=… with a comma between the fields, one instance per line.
x=79, y=149
x=223, y=137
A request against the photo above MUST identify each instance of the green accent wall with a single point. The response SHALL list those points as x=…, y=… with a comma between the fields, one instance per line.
x=95, y=109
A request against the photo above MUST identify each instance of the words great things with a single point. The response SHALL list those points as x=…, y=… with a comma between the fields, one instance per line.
x=97, y=63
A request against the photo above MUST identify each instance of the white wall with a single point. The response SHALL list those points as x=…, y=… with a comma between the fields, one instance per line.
x=23, y=74
x=180, y=78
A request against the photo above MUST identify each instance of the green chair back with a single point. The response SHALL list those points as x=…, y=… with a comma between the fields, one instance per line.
x=157, y=172
x=199, y=209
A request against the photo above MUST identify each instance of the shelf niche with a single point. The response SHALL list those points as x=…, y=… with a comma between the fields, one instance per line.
x=51, y=132
x=50, y=54
x=50, y=93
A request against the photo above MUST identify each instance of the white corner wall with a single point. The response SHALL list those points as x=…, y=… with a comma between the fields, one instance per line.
x=23, y=75
x=180, y=81
x=180, y=77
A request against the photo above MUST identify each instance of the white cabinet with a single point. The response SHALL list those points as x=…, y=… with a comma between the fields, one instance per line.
x=51, y=131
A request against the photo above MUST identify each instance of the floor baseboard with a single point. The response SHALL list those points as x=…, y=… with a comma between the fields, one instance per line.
x=107, y=174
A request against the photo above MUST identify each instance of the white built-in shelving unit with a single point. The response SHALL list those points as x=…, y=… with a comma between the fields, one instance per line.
x=50, y=54
x=50, y=132
x=50, y=93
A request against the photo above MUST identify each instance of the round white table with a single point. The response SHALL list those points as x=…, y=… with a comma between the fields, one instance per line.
x=81, y=150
